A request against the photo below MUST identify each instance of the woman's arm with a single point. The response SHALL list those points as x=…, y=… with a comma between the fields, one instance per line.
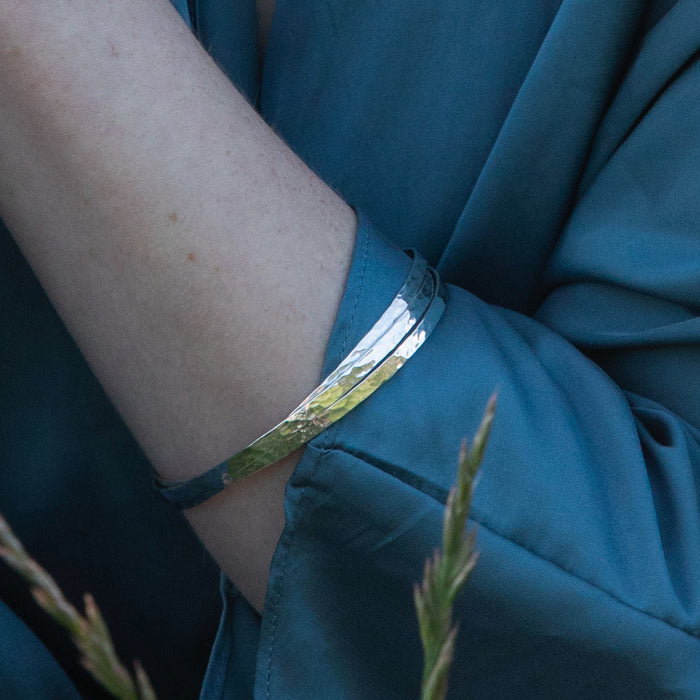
x=196, y=261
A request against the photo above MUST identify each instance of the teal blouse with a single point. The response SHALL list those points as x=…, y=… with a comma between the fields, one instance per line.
x=545, y=158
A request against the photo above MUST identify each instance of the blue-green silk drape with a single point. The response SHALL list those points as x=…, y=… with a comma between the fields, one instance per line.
x=545, y=157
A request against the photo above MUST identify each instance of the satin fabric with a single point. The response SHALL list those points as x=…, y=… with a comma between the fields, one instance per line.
x=545, y=157
x=27, y=669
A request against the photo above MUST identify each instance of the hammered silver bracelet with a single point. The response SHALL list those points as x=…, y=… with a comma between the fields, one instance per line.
x=394, y=338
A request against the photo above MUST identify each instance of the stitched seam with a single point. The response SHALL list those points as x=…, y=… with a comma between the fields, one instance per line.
x=222, y=679
x=419, y=483
x=216, y=674
x=283, y=570
x=360, y=287
x=694, y=635
x=302, y=494
x=396, y=473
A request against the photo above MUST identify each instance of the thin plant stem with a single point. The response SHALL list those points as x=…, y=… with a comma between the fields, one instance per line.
x=89, y=632
x=446, y=572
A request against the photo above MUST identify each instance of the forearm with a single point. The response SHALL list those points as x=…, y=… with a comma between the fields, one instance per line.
x=196, y=261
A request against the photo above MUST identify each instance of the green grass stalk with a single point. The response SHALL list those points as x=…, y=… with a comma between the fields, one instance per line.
x=89, y=632
x=446, y=572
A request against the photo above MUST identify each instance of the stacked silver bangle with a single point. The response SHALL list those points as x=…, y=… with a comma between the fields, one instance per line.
x=401, y=330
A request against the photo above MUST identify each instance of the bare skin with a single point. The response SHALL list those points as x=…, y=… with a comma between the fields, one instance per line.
x=196, y=261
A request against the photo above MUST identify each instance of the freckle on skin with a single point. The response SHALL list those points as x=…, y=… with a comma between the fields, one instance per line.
x=173, y=217
x=190, y=257
x=113, y=49
x=217, y=269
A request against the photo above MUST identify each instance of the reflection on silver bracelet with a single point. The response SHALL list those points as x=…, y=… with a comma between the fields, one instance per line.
x=401, y=330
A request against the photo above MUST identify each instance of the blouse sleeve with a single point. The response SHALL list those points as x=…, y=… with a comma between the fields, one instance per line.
x=588, y=508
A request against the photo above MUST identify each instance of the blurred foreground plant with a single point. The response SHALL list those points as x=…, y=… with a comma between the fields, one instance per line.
x=444, y=575
x=446, y=572
x=89, y=633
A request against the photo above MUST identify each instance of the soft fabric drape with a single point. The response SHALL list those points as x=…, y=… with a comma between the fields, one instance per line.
x=545, y=157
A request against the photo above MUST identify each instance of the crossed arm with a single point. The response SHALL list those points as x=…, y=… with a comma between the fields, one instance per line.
x=196, y=261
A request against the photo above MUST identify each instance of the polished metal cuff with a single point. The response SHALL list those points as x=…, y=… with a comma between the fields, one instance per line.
x=400, y=331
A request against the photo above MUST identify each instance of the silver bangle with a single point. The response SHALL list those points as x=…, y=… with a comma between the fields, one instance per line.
x=394, y=338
